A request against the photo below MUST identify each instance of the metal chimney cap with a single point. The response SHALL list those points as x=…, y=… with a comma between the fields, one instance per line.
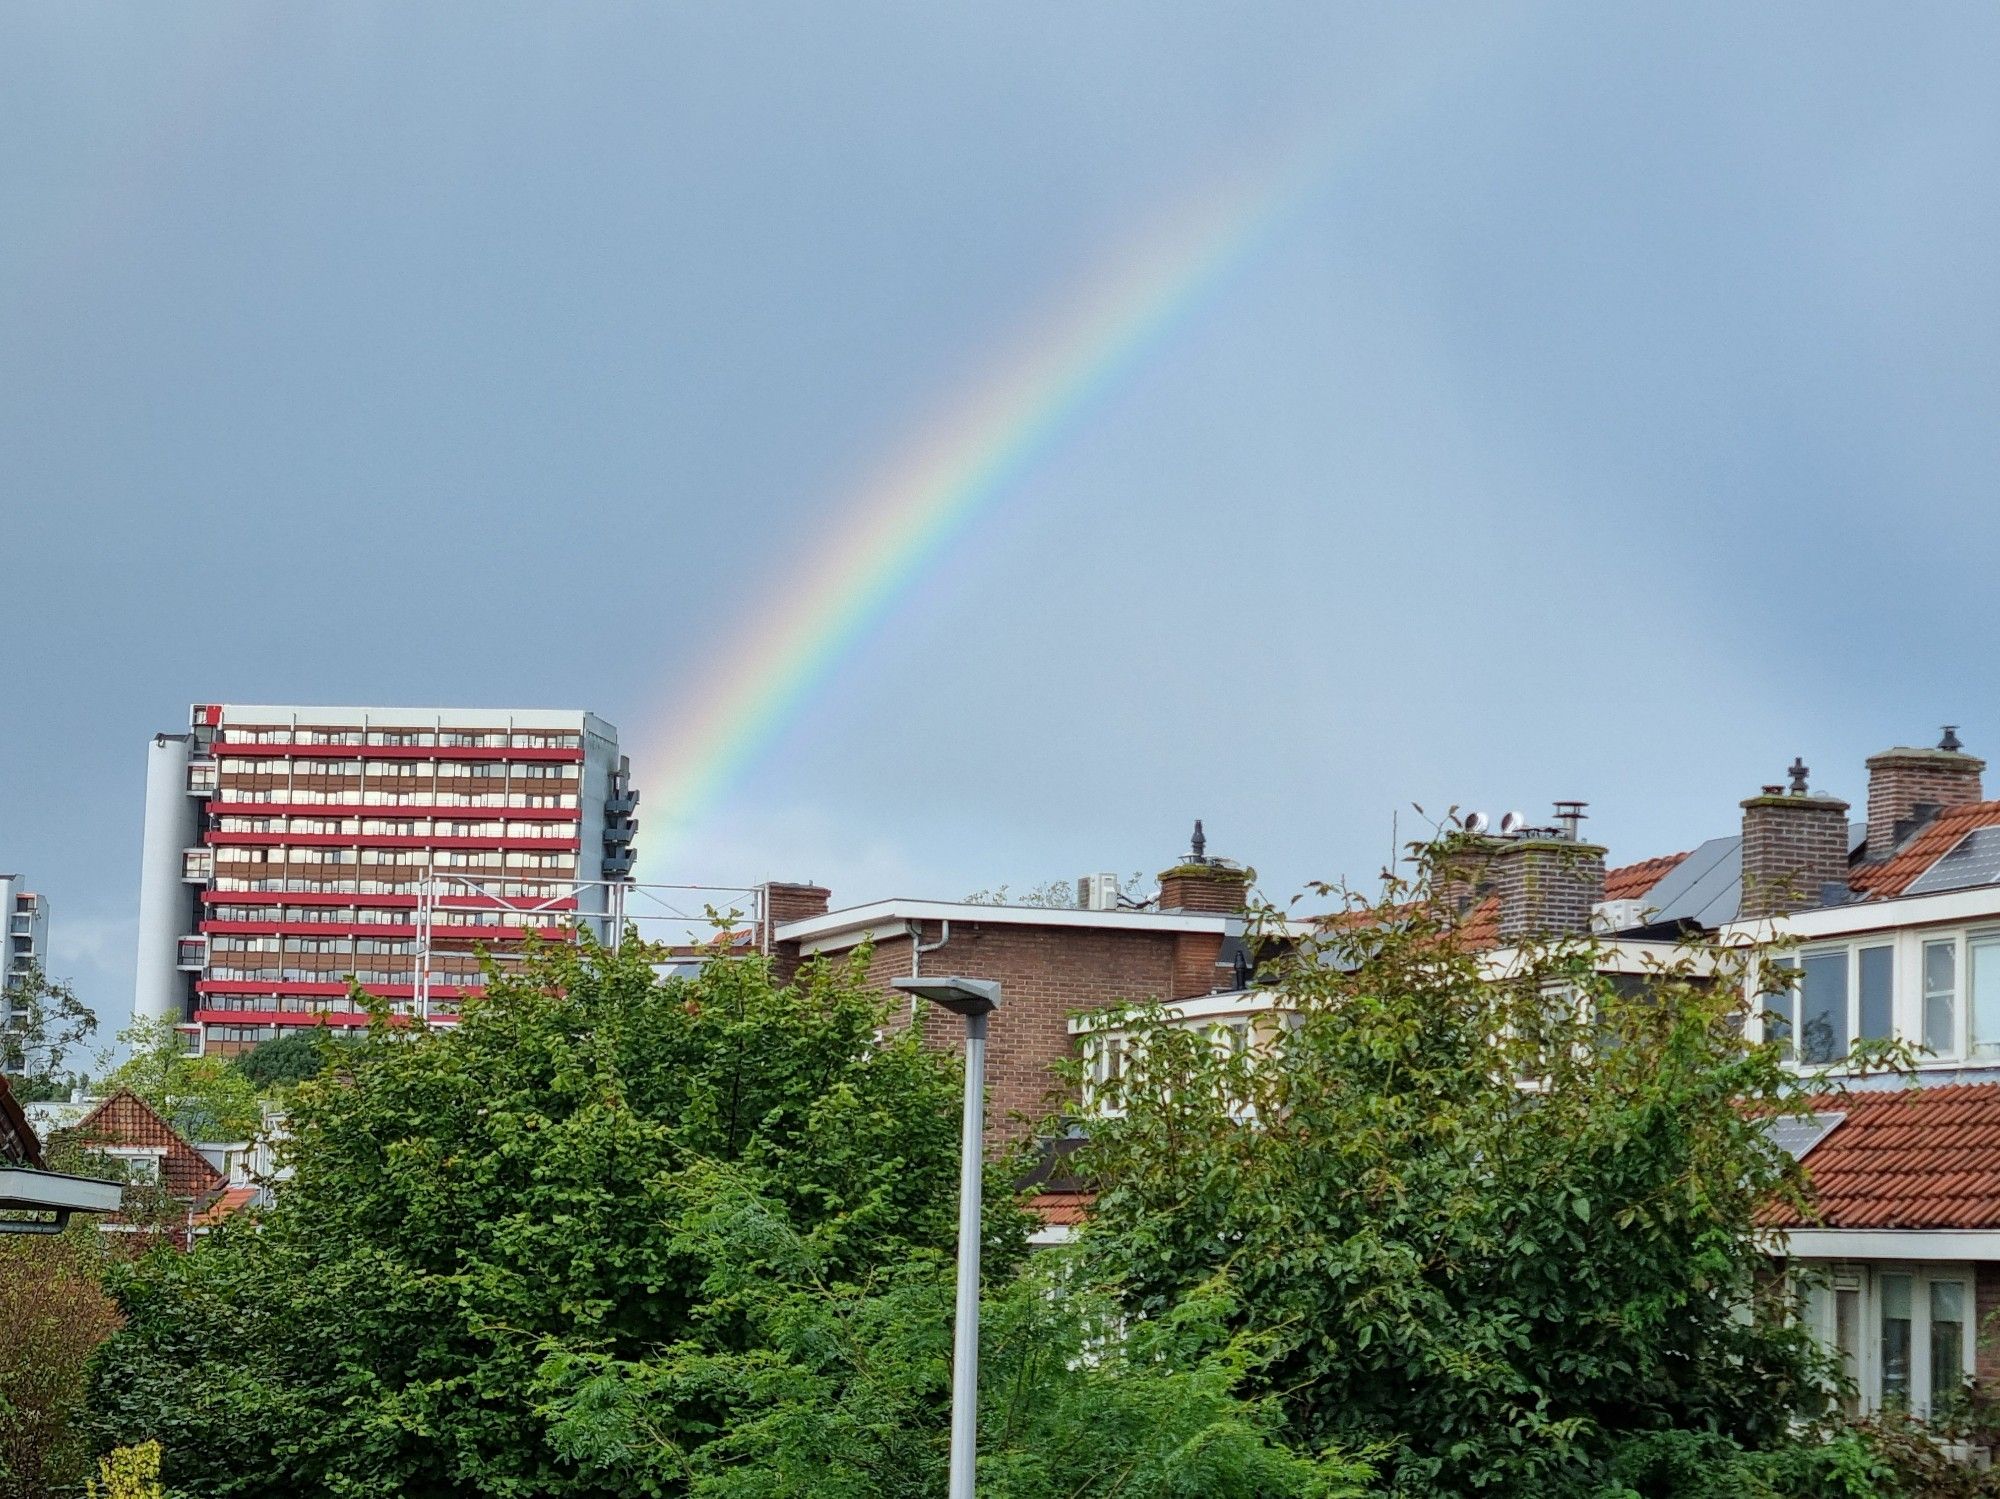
x=1951, y=740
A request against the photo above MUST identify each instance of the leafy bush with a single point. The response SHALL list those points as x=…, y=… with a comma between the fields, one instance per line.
x=53, y=1314
x=1501, y=1228
x=281, y=1061
x=841, y=1389
x=468, y=1204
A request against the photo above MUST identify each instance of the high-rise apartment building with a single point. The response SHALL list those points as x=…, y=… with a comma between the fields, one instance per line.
x=291, y=850
x=26, y=947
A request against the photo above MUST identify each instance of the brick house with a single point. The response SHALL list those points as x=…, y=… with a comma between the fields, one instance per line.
x=173, y=1190
x=1881, y=928
x=1052, y=963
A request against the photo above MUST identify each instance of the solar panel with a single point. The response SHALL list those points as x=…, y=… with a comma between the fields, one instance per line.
x=1974, y=860
x=1798, y=1136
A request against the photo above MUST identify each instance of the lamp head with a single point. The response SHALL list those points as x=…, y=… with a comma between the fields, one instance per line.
x=961, y=996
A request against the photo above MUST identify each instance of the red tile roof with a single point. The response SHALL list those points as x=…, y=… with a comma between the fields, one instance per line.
x=231, y=1200
x=1062, y=1209
x=1914, y=1158
x=1630, y=881
x=1480, y=927
x=127, y=1119
x=18, y=1144
x=1896, y=873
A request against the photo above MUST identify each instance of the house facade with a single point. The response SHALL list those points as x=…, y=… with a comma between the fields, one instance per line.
x=1872, y=936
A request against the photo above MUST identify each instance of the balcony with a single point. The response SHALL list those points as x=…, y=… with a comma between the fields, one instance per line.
x=621, y=803
x=202, y=777
x=192, y=955
x=618, y=866
x=619, y=830
x=197, y=866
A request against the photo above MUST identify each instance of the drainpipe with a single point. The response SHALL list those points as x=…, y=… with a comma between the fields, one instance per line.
x=918, y=947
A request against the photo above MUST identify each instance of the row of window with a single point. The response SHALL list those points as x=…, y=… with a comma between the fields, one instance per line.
x=478, y=770
x=565, y=800
x=382, y=827
x=282, y=975
x=408, y=738
x=388, y=946
x=1940, y=993
x=1901, y=1331
x=344, y=915
x=412, y=858
x=366, y=915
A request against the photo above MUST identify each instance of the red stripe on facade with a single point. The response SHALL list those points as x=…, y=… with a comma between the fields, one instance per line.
x=220, y=808
x=441, y=753
x=302, y=1018
x=384, y=840
x=300, y=989
x=383, y=902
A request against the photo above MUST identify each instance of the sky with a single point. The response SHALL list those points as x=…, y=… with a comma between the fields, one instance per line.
x=1599, y=405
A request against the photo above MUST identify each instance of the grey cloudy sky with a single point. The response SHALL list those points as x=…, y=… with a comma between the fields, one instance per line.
x=1615, y=420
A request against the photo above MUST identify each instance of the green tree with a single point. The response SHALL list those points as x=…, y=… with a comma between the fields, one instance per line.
x=48, y=1025
x=277, y=1064
x=468, y=1204
x=203, y=1097
x=842, y=1391
x=54, y=1312
x=1504, y=1229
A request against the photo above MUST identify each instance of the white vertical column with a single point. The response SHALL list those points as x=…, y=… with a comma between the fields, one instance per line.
x=173, y=823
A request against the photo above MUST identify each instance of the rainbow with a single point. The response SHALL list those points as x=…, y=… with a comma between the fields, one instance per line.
x=901, y=522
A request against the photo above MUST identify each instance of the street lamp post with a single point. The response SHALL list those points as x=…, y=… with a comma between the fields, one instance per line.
x=974, y=999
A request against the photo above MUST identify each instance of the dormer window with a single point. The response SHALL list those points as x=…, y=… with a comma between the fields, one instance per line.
x=1840, y=995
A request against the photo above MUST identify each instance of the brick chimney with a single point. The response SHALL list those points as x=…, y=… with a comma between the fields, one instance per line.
x=1201, y=884
x=783, y=902
x=1794, y=844
x=1907, y=787
x=1547, y=879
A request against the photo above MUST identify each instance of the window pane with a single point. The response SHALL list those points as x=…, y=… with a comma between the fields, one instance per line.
x=1823, y=1006
x=1847, y=1339
x=1941, y=997
x=1777, y=1004
x=1877, y=1017
x=1985, y=1005
x=1947, y=1341
x=1895, y=1294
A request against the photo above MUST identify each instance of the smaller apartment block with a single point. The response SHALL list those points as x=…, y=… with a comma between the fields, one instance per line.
x=290, y=851
x=27, y=938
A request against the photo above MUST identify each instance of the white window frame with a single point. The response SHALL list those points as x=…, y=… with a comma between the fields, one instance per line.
x=1820, y=1279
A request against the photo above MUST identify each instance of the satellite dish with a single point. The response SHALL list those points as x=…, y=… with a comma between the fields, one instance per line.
x=1475, y=822
x=1512, y=822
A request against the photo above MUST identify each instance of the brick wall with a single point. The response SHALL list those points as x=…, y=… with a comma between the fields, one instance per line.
x=1216, y=889
x=1793, y=844
x=1046, y=974
x=1901, y=780
x=1546, y=886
